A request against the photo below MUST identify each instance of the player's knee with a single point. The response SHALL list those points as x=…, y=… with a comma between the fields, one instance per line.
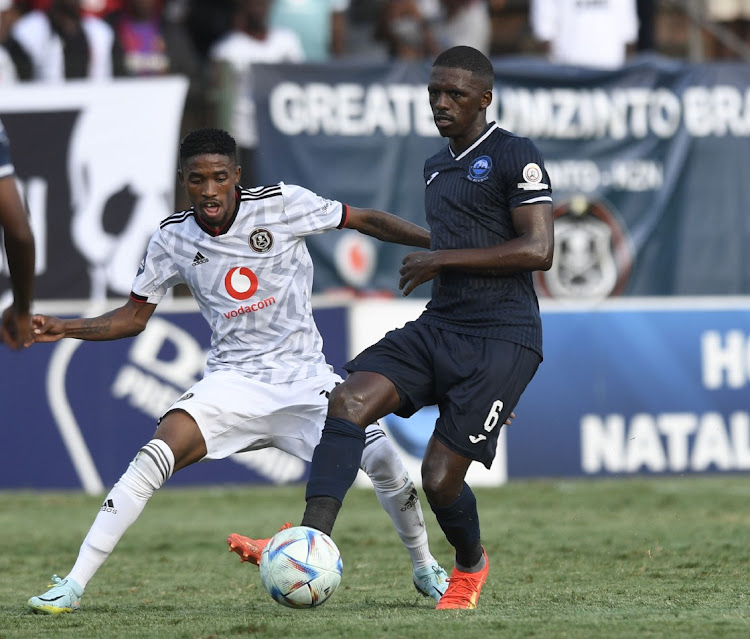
x=152, y=466
x=433, y=490
x=346, y=403
x=439, y=487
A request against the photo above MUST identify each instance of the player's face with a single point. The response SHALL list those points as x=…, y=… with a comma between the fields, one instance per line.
x=458, y=101
x=209, y=181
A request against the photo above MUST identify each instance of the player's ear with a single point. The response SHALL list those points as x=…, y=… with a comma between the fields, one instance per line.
x=180, y=176
x=486, y=98
x=238, y=174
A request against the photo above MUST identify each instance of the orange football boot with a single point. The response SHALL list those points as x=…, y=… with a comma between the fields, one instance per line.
x=464, y=588
x=250, y=549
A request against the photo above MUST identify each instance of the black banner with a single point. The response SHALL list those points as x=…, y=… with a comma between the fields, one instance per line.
x=96, y=164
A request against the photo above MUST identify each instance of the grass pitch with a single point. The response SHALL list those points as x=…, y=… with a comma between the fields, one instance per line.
x=609, y=558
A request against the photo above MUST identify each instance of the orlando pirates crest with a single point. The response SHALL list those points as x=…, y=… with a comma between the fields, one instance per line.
x=261, y=240
x=593, y=257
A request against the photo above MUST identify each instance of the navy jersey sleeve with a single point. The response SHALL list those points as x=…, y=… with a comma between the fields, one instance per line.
x=526, y=179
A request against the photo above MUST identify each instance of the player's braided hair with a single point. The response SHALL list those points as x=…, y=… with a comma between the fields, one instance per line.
x=208, y=141
x=469, y=58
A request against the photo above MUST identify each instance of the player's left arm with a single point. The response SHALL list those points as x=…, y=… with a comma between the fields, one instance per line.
x=387, y=227
x=531, y=250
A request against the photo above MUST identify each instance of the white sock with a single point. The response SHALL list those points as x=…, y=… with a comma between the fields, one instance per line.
x=152, y=466
x=397, y=495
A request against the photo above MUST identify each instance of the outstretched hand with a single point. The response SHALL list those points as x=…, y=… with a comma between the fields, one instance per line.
x=47, y=328
x=417, y=268
x=16, y=329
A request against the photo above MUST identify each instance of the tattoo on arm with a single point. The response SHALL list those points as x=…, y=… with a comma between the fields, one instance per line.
x=96, y=327
x=390, y=228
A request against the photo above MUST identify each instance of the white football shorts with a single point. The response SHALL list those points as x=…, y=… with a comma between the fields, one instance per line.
x=236, y=413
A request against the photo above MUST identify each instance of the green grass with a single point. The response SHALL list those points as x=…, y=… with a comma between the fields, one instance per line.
x=617, y=558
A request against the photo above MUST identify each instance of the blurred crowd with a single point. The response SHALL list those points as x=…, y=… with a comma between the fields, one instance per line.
x=215, y=42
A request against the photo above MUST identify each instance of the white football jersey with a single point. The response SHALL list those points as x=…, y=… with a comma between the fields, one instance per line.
x=252, y=280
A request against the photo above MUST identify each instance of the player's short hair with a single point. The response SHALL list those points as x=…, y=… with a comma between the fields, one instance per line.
x=470, y=59
x=208, y=142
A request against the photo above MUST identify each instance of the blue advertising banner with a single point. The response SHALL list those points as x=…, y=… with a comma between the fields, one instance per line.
x=646, y=163
x=626, y=387
x=638, y=388
x=75, y=413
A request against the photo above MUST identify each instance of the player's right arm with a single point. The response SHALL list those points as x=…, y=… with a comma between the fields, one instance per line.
x=19, y=248
x=126, y=321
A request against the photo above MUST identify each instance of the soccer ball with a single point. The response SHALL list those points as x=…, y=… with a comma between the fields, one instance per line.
x=301, y=567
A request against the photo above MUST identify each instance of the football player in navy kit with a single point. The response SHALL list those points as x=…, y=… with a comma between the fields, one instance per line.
x=19, y=248
x=479, y=341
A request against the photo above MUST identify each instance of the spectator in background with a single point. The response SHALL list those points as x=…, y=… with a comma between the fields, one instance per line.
x=98, y=8
x=320, y=25
x=463, y=22
x=404, y=28
x=152, y=45
x=646, y=25
x=415, y=29
x=8, y=15
x=251, y=41
x=62, y=44
x=588, y=34
x=101, y=8
x=732, y=15
x=361, y=22
x=207, y=21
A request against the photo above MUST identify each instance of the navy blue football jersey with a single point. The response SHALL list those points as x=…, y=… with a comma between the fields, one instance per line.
x=468, y=203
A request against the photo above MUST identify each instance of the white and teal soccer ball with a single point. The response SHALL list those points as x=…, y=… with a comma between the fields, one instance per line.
x=301, y=567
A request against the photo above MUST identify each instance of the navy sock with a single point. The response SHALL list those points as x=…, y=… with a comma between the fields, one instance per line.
x=334, y=468
x=460, y=523
x=321, y=513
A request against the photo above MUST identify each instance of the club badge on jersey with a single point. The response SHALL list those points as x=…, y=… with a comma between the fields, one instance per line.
x=480, y=169
x=260, y=240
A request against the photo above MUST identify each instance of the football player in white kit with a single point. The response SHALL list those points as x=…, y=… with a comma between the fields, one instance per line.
x=242, y=253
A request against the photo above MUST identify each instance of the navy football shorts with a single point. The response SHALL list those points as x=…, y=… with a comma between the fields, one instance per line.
x=475, y=381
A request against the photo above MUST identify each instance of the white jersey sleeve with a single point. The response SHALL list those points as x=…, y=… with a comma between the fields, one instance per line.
x=157, y=272
x=308, y=213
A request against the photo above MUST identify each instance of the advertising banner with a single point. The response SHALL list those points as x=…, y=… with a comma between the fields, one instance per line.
x=638, y=388
x=646, y=163
x=75, y=413
x=96, y=163
x=626, y=387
